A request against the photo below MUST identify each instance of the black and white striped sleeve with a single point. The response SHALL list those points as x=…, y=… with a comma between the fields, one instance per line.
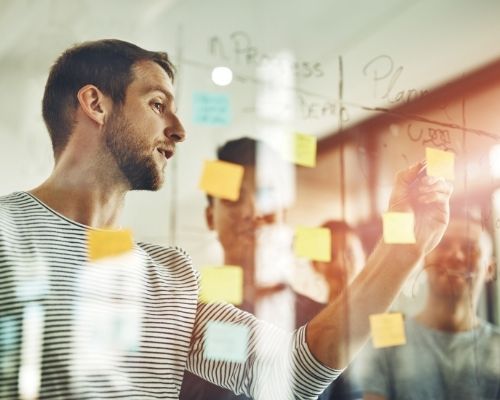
x=278, y=364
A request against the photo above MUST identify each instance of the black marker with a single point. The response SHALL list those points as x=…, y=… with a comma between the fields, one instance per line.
x=420, y=174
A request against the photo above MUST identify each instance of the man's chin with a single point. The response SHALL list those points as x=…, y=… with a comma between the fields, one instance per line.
x=153, y=184
x=452, y=286
x=153, y=188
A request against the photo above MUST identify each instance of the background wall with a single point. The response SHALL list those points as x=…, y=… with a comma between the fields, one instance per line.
x=319, y=67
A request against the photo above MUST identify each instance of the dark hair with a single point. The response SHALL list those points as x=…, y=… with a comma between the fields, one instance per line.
x=106, y=64
x=241, y=151
x=472, y=214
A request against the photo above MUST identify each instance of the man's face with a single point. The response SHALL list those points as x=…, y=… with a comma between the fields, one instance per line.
x=461, y=263
x=236, y=222
x=348, y=258
x=141, y=134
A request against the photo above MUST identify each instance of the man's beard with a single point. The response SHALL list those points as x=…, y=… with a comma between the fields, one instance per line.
x=135, y=162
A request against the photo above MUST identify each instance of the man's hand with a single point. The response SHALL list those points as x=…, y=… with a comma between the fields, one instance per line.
x=337, y=333
x=428, y=198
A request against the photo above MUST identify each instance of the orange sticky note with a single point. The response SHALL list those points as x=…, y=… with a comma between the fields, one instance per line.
x=304, y=150
x=440, y=163
x=222, y=179
x=109, y=243
x=399, y=227
x=313, y=243
x=387, y=330
x=222, y=284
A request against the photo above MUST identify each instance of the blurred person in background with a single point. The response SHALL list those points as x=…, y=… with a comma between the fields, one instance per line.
x=244, y=230
x=450, y=353
x=347, y=260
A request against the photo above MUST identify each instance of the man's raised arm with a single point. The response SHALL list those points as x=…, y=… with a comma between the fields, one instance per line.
x=336, y=334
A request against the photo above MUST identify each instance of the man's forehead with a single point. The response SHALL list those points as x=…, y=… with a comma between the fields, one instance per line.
x=464, y=230
x=150, y=76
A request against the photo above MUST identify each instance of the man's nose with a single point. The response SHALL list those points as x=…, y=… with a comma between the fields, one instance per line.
x=457, y=253
x=174, y=129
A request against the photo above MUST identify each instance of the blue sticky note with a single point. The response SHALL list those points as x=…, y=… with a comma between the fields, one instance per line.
x=212, y=109
x=226, y=342
x=9, y=332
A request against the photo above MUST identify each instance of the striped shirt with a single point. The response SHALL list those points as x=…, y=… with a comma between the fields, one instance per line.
x=125, y=327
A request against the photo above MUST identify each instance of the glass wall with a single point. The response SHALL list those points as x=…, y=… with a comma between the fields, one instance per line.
x=297, y=117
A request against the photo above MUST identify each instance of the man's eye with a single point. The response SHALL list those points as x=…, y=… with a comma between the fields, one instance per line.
x=159, y=107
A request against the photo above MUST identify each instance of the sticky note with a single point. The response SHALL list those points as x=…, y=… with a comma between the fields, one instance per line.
x=211, y=109
x=399, y=227
x=32, y=277
x=31, y=352
x=9, y=331
x=10, y=328
x=222, y=284
x=440, y=163
x=226, y=341
x=387, y=330
x=114, y=328
x=304, y=150
x=109, y=243
x=126, y=329
x=313, y=243
x=222, y=179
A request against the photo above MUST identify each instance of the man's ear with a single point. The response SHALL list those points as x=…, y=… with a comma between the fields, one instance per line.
x=209, y=216
x=94, y=103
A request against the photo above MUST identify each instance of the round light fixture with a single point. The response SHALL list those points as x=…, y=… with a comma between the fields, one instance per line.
x=222, y=76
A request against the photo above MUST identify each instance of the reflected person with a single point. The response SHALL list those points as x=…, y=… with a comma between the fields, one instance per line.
x=238, y=225
x=450, y=352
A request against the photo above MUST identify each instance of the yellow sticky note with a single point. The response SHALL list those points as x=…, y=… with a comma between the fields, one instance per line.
x=222, y=284
x=387, y=330
x=304, y=150
x=222, y=179
x=399, y=227
x=109, y=243
x=440, y=163
x=313, y=243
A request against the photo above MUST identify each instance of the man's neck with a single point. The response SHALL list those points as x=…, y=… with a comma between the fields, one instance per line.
x=83, y=196
x=455, y=315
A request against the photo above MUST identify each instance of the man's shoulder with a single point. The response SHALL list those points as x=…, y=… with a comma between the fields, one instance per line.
x=162, y=252
x=173, y=259
x=14, y=199
x=11, y=203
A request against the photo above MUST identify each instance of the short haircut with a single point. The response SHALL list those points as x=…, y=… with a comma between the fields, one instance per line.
x=473, y=215
x=242, y=151
x=107, y=64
